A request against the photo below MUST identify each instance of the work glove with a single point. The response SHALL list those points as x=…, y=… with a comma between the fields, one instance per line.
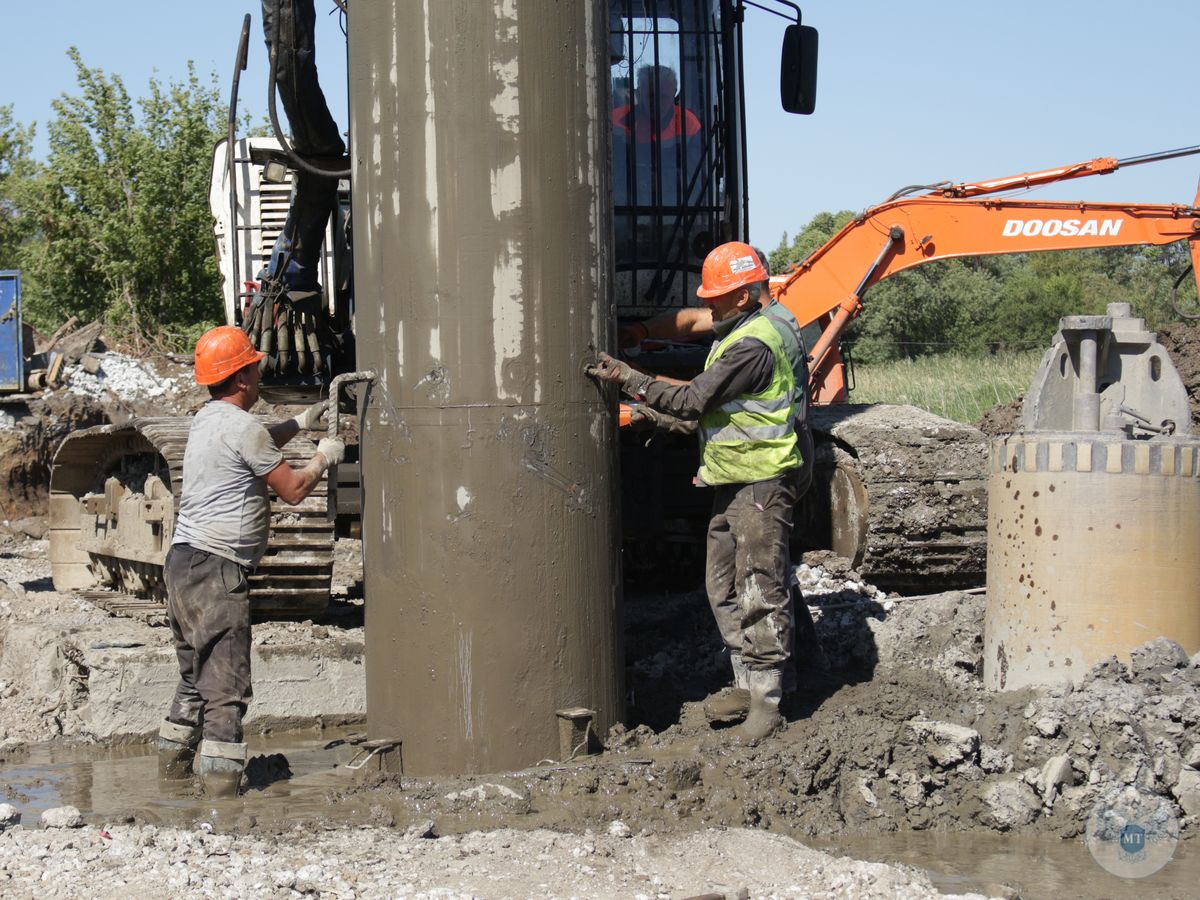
x=608, y=369
x=310, y=419
x=332, y=449
x=614, y=371
x=643, y=418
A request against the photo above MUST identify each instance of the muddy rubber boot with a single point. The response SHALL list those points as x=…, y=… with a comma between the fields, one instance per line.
x=176, y=750
x=731, y=704
x=221, y=767
x=766, y=690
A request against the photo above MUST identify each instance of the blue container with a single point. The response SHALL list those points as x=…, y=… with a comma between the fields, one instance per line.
x=12, y=353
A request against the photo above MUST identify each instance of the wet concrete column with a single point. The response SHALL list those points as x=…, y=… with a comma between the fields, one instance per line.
x=481, y=251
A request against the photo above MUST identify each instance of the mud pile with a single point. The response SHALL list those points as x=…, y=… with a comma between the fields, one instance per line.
x=1182, y=342
x=898, y=734
x=1002, y=418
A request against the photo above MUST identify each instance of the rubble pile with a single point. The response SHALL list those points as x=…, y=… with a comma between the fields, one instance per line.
x=897, y=734
x=383, y=862
x=120, y=378
x=901, y=734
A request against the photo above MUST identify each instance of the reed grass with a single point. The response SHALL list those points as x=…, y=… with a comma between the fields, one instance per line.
x=956, y=387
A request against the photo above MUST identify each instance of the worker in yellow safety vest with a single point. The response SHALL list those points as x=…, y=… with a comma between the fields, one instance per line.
x=750, y=406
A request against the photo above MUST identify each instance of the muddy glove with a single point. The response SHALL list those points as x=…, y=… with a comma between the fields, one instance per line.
x=617, y=372
x=643, y=418
x=332, y=449
x=310, y=419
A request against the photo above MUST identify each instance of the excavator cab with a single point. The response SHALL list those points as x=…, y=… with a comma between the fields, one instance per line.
x=679, y=135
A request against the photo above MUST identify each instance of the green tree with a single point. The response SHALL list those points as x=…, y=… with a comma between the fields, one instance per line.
x=16, y=168
x=928, y=310
x=121, y=207
x=820, y=229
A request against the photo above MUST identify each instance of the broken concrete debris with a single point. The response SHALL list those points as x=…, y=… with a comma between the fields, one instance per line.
x=61, y=817
x=1011, y=803
x=9, y=816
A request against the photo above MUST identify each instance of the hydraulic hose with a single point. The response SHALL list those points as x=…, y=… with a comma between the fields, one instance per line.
x=292, y=155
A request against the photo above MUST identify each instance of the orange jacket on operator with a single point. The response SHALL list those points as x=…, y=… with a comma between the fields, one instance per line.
x=683, y=124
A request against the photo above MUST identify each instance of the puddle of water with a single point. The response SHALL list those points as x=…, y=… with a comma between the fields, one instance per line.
x=105, y=783
x=108, y=782
x=1040, y=868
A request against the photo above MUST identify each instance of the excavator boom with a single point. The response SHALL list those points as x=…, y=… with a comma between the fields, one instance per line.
x=961, y=220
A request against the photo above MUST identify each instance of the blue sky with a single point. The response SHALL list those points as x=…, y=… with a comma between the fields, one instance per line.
x=908, y=93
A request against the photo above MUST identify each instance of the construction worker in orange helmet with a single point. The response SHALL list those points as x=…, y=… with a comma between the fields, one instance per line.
x=220, y=535
x=750, y=406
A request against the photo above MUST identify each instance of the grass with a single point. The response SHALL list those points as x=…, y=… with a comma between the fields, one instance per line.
x=961, y=388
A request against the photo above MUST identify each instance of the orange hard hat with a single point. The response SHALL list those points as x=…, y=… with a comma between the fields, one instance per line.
x=222, y=351
x=729, y=267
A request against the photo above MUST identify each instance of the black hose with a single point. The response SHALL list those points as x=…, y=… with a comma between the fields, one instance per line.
x=1175, y=296
x=234, y=236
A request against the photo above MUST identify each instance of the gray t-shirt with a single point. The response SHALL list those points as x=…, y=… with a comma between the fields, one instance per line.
x=224, y=508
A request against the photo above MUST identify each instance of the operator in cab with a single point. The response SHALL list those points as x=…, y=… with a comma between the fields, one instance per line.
x=655, y=115
x=750, y=406
x=656, y=142
x=220, y=536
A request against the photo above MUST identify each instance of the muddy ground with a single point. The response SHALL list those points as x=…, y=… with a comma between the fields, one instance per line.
x=897, y=736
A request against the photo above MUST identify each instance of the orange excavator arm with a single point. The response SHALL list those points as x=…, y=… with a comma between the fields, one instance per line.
x=953, y=220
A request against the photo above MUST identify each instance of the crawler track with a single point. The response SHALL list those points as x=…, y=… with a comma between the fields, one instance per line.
x=902, y=492
x=114, y=493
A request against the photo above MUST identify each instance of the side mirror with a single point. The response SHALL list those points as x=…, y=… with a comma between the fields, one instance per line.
x=798, y=70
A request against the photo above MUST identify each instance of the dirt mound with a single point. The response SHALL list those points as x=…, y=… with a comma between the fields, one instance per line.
x=1182, y=343
x=1002, y=418
x=27, y=446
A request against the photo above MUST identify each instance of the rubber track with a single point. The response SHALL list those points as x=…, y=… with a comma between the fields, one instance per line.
x=926, y=485
x=295, y=575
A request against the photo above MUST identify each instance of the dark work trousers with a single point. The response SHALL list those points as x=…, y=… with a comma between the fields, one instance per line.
x=748, y=573
x=208, y=607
